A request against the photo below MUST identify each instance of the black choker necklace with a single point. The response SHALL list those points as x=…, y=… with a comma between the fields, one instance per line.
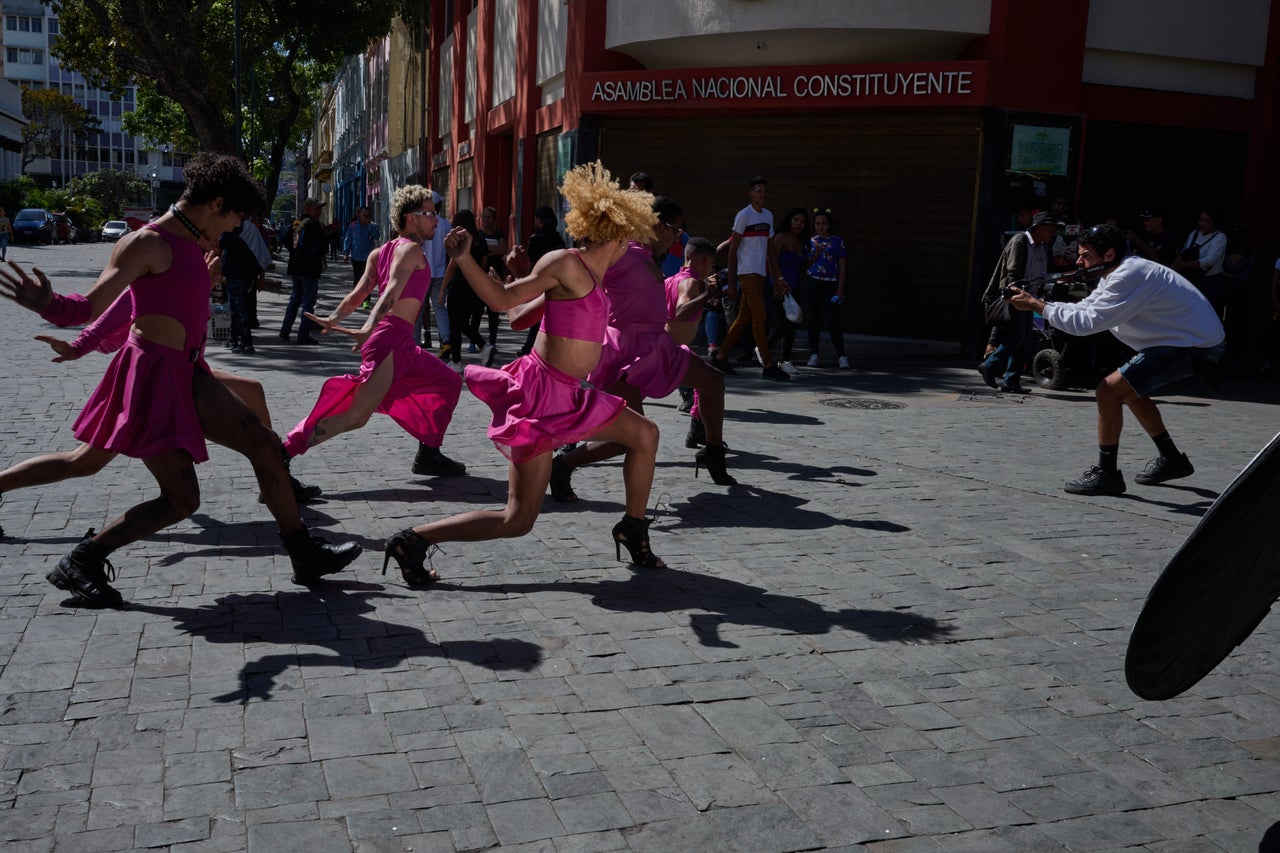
x=187, y=223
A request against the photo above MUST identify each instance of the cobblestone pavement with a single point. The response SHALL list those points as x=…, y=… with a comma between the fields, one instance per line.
x=898, y=634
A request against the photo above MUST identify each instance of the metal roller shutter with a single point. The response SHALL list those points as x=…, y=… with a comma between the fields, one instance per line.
x=900, y=185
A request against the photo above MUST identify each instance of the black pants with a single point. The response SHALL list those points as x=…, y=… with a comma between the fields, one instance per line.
x=465, y=310
x=820, y=311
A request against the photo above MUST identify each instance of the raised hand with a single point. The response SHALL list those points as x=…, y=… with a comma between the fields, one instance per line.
x=517, y=262
x=31, y=293
x=62, y=348
x=457, y=242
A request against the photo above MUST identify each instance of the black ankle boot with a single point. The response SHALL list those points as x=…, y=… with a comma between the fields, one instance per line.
x=712, y=458
x=633, y=534
x=697, y=435
x=313, y=558
x=431, y=462
x=83, y=573
x=561, y=480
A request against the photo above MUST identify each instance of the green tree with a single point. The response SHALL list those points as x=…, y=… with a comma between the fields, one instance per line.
x=14, y=192
x=185, y=51
x=112, y=189
x=55, y=120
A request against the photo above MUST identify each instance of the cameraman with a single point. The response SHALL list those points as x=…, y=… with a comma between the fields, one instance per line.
x=1156, y=312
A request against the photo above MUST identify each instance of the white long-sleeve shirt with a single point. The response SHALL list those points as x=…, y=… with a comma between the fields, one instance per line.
x=1145, y=305
x=1213, y=250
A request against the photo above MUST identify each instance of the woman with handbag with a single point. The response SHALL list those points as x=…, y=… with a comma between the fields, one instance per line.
x=792, y=244
x=824, y=282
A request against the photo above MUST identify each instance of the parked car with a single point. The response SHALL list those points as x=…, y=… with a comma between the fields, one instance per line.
x=66, y=229
x=34, y=225
x=114, y=230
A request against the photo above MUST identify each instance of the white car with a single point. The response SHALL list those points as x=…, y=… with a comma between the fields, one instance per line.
x=114, y=230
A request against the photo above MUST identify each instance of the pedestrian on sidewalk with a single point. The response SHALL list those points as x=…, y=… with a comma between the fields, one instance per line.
x=306, y=262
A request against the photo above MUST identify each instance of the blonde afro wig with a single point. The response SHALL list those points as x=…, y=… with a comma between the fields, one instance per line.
x=405, y=200
x=601, y=211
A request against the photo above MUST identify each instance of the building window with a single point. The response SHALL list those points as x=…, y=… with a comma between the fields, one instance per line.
x=37, y=25
x=53, y=25
x=11, y=54
x=24, y=25
x=11, y=23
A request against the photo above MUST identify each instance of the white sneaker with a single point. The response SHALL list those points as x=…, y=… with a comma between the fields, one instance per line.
x=844, y=362
x=457, y=367
x=788, y=367
x=813, y=361
x=487, y=354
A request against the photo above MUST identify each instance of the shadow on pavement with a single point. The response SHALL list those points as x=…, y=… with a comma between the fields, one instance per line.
x=334, y=617
x=774, y=510
x=725, y=601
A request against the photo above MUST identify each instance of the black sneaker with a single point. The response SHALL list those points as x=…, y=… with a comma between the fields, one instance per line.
x=987, y=371
x=430, y=462
x=1164, y=468
x=1096, y=481
x=776, y=373
x=720, y=364
x=304, y=493
x=83, y=573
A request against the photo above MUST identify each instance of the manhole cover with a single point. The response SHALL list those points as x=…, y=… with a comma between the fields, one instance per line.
x=861, y=403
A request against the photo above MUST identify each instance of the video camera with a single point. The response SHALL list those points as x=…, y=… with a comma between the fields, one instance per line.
x=1062, y=287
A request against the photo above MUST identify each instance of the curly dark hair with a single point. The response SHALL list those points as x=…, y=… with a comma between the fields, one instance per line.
x=211, y=176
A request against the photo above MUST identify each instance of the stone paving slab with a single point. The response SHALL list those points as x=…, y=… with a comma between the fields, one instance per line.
x=898, y=634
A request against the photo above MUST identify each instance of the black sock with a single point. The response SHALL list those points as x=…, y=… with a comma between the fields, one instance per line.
x=1165, y=445
x=1107, y=456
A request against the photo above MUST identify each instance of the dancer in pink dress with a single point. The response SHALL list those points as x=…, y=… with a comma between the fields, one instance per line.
x=397, y=378
x=640, y=359
x=158, y=400
x=106, y=335
x=538, y=401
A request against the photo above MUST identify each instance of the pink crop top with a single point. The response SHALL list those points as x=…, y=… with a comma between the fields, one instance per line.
x=180, y=292
x=419, y=281
x=637, y=296
x=581, y=319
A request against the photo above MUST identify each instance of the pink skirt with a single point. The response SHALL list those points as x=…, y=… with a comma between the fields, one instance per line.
x=649, y=360
x=421, y=399
x=536, y=408
x=143, y=406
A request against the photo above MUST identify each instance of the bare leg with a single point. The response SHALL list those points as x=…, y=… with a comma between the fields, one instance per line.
x=526, y=484
x=228, y=421
x=84, y=461
x=248, y=390
x=179, y=497
x=640, y=436
x=363, y=404
x=597, y=451
x=1115, y=392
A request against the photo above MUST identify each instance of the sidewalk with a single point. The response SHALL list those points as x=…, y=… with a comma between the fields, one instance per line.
x=898, y=634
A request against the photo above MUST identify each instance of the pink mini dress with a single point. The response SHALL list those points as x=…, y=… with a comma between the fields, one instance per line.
x=536, y=407
x=637, y=347
x=424, y=390
x=144, y=406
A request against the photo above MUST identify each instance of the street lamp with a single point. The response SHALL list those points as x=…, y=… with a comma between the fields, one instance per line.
x=155, y=184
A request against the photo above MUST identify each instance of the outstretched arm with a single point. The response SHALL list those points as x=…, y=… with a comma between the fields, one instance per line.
x=353, y=299
x=498, y=295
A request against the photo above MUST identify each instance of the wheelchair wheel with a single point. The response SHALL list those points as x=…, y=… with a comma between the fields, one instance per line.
x=1048, y=369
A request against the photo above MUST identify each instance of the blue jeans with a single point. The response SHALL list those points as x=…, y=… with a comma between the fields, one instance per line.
x=1155, y=367
x=429, y=307
x=1014, y=350
x=305, y=291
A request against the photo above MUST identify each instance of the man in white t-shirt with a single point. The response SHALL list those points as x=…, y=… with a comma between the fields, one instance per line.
x=1160, y=314
x=753, y=262
x=437, y=261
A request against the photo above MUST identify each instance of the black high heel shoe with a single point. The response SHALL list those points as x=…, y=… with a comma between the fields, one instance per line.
x=712, y=458
x=410, y=551
x=633, y=534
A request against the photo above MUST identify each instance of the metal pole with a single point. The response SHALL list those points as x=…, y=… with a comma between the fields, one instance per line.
x=235, y=14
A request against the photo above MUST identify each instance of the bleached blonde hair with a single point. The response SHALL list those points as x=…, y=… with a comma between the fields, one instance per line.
x=408, y=198
x=601, y=211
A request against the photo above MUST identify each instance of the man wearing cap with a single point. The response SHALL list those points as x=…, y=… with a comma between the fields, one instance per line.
x=1025, y=257
x=1153, y=310
x=1155, y=243
x=306, y=262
